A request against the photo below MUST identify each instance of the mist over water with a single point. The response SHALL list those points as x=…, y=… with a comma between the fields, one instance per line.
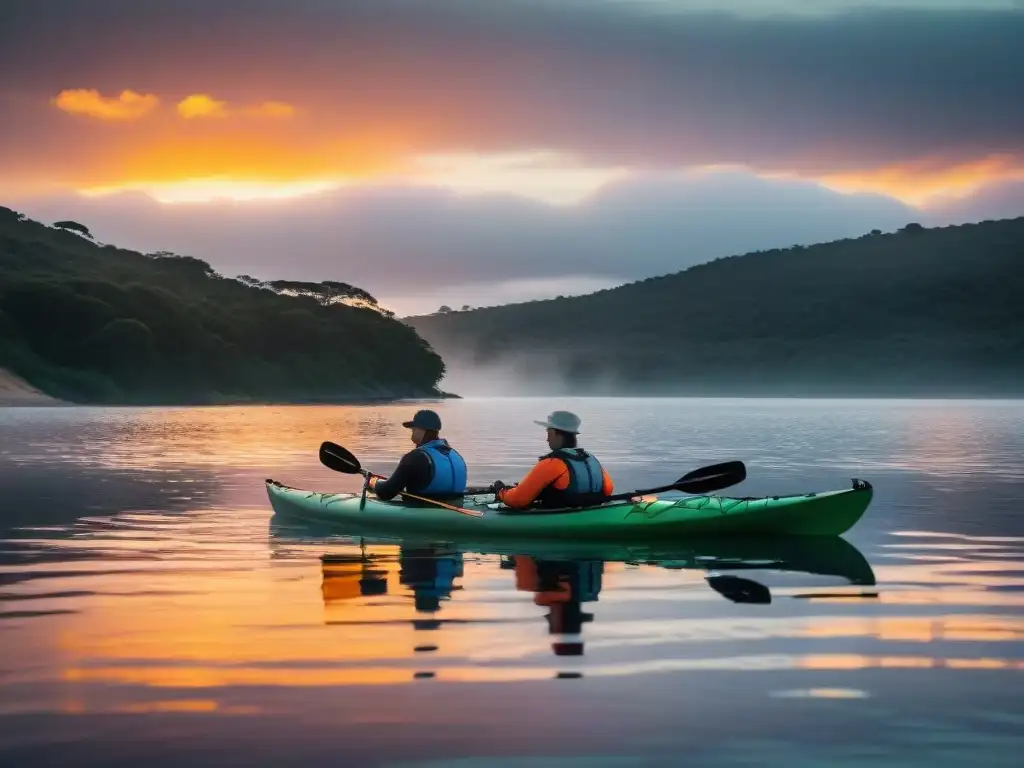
x=153, y=610
x=553, y=373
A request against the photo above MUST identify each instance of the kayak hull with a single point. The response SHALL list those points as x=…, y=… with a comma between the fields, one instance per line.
x=829, y=513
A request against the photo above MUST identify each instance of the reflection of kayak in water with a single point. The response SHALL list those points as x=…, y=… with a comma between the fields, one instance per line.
x=827, y=513
x=819, y=555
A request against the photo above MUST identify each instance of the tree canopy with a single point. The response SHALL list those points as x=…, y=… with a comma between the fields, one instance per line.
x=91, y=323
x=918, y=311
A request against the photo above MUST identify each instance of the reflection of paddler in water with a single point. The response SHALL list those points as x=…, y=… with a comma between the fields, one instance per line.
x=562, y=586
x=346, y=576
x=430, y=572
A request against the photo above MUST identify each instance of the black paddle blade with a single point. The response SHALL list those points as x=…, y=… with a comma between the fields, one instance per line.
x=713, y=478
x=333, y=456
x=740, y=590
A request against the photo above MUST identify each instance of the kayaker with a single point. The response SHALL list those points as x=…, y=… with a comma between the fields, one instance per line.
x=566, y=477
x=433, y=468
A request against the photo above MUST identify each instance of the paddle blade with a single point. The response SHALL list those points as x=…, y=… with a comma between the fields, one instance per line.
x=333, y=456
x=713, y=478
x=740, y=590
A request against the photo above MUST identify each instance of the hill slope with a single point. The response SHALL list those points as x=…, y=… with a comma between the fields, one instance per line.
x=91, y=323
x=922, y=311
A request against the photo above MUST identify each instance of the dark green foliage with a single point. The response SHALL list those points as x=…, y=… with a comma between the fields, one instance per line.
x=101, y=324
x=919, y=311
x=74, y=226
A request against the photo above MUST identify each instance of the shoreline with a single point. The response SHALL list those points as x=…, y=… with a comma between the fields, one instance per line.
x=15, y=392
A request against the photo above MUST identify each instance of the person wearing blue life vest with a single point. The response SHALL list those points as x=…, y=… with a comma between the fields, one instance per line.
x=432, y=469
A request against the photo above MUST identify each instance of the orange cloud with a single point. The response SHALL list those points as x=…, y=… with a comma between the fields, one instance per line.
x=928, y=181
x=201, y=105
x=129, y=105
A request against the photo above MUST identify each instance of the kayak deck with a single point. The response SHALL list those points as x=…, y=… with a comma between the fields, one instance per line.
x=828, y=513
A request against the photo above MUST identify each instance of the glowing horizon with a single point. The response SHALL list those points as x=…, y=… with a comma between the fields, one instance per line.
x=548, y=178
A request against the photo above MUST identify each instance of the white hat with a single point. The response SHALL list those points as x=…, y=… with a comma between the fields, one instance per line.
x=564, y=421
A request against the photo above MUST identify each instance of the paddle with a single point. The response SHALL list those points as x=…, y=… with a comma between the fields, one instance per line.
x=740, y=590
x=703, y=480
x=340, y=459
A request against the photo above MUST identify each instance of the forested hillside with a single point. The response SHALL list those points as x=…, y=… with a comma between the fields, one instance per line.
x=921, y=311
x=94, y=323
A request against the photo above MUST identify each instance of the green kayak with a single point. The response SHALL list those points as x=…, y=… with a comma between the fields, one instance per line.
x=829, y=513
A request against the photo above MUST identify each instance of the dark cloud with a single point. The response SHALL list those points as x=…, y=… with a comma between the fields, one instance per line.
x=613, y=82
x=407, y=242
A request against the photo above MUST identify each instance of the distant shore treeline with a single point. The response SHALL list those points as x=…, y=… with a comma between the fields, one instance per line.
x=94, y=323
x=917, y=312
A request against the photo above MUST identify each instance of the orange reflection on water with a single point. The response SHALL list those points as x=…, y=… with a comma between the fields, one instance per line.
x=215, y=677
x=237, y=438
x=272, y=626
x=186, y=678
x=305, y=625
x=190, y=706
x=855, y=661
x=823, y=693
x=921, y=629
x=980, y=598
x=174, y=705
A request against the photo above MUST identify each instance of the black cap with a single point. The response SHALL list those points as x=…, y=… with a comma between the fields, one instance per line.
x=428, y=420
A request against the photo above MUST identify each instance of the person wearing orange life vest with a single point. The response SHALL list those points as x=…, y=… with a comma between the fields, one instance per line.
x=566, y=477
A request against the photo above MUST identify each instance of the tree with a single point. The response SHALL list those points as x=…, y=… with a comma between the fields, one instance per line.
x=466, y=308
x=444, y=309
x=74, y=226
x=326, y=292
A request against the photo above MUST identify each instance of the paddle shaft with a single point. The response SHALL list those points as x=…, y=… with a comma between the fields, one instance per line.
x=463, y=510
x=436, y=502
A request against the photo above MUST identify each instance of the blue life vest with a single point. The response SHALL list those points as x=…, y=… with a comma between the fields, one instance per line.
x=586, y=480
x=447, y=469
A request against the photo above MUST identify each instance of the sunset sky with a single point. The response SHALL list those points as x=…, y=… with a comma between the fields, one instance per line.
x=479, y=151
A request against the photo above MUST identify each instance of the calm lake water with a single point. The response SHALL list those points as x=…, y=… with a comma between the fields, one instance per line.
x=152, y=612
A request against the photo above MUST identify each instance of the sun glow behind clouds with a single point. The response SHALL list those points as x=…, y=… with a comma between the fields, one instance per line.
x=927, y=182
x=211, y=190
x=541, y=175
x=545, y=177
